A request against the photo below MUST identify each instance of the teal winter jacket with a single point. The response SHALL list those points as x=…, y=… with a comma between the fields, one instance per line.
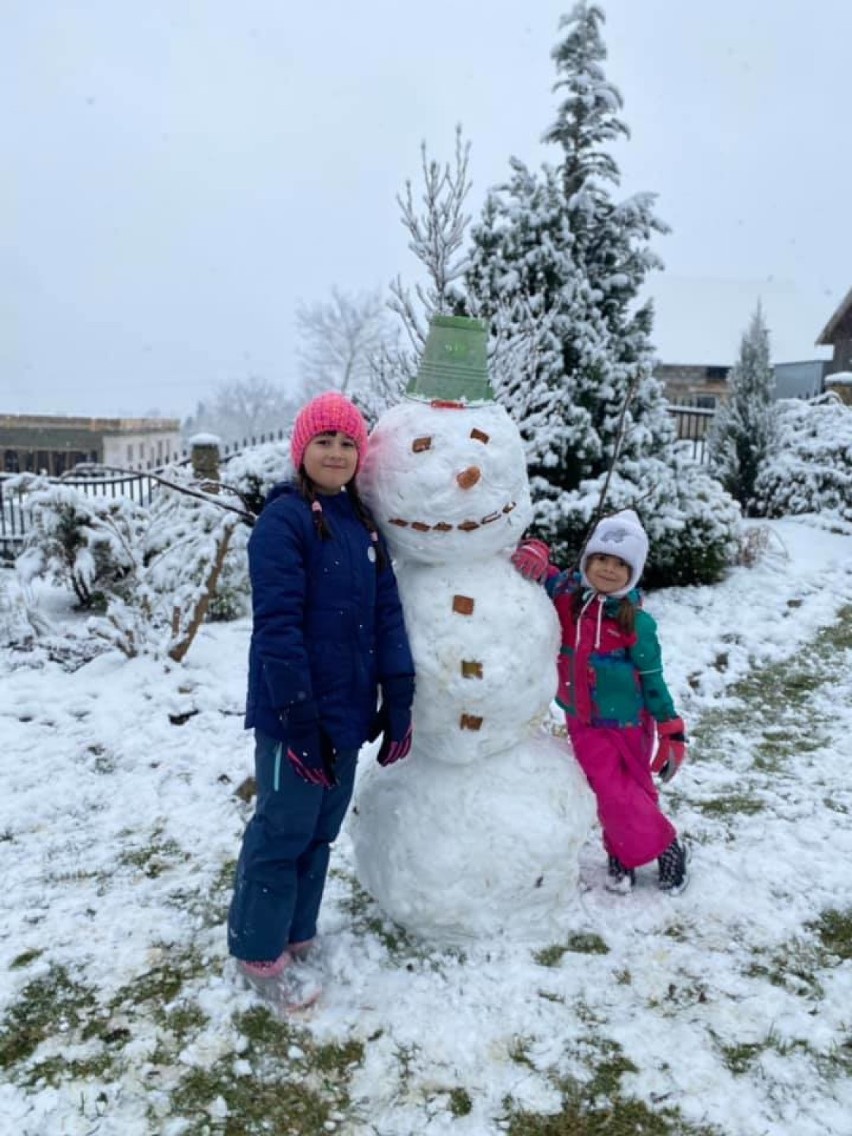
x=607, y=676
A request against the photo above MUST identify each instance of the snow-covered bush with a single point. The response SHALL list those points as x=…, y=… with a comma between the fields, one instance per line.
x=153, y=570
x=809, y=467
x=251, y=474
x=692, y=523
x=84, y=542
x=183, y=550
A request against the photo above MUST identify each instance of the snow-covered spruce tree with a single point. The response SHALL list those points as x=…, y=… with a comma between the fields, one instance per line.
x=558, y=266
x=742, y=432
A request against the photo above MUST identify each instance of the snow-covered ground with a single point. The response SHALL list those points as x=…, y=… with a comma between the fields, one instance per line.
x=731, y=1004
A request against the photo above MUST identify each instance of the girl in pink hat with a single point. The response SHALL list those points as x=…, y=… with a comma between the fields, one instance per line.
x=327, y=633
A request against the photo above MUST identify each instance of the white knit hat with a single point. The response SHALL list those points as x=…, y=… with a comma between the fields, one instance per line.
x=620, y=535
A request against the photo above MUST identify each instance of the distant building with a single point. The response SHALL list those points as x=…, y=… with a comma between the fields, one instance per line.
x=837, y=334
x=53, y=445
x=695, y=384
x=801, y=380
x=704, y=387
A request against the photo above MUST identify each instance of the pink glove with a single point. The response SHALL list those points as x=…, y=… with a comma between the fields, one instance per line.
x=532, y=559
x=671, y=751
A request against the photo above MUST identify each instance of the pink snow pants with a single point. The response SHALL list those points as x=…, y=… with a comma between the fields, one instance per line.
x=617, y=766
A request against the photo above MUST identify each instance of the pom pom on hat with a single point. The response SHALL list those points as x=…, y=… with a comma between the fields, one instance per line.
x=620, y=535
x=328, y=412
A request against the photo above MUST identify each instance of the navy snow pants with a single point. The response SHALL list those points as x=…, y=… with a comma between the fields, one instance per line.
x=284, y=858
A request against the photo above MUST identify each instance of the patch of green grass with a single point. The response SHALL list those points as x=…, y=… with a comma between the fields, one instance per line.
x=795, y=966
x=740, y=1058
x=207, y=903
x=51, y=1004
x=183, y=1021
x=735, y=804
x=835, y=806
x=460, y=1102
x=597, y=1107
x=154, y=857
x=582, y=942
x=834, y=1064
x=22, y=960
x=792, y=967
x=776, y=700
x=161, y=985
x=519, y=1051
x=59, y=1069
x=283, y=1083
x=834, y=929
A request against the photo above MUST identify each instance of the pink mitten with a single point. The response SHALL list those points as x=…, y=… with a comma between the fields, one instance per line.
x=532, y=559
x=671, y=751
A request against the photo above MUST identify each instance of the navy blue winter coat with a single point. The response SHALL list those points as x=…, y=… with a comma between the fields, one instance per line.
x=328, y=623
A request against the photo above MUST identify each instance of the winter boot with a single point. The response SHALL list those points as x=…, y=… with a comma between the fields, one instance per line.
x=673, y=873
x=619, y=878
x=287, y=984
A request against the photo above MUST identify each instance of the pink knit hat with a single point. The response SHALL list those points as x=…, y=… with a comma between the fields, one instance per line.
x=329, y=411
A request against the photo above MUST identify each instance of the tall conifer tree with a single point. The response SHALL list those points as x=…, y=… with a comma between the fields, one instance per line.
x=743, y=427
x=559, y=262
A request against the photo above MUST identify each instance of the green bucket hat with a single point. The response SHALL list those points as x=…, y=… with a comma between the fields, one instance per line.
x=454, y=367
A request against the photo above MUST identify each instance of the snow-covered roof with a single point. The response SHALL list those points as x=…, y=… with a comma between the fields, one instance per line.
x=826, y=337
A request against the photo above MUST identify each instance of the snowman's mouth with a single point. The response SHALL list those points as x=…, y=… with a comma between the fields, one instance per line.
x=445, y=526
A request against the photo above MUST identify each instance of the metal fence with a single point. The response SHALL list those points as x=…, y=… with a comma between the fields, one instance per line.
x=135, y=485
x=15, y=512
x=139, y=486
x=693, y=423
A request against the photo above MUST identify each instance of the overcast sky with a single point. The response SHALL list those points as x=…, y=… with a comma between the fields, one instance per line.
x=184, y=172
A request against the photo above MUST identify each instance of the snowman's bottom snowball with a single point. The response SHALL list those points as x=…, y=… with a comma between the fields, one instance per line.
x=492, y=848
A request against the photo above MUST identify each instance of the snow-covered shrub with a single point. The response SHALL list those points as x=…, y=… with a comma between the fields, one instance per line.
x=183, y=551
x=14, y=625
x=251, y=474
x=84, y=542
x=692, y=523
x=809, y=467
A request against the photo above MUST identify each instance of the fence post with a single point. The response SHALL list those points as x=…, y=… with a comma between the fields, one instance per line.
x=205, y=460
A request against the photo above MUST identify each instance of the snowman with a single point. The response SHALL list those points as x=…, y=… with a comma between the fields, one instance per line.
x=478, y=832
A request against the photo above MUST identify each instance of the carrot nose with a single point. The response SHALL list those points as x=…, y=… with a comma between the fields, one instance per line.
x=469, y=477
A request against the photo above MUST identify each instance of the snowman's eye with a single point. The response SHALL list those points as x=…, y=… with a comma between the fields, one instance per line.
x=480, y=436
x=421, y=444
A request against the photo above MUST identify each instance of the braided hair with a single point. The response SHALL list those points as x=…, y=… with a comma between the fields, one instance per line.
x=308, y=491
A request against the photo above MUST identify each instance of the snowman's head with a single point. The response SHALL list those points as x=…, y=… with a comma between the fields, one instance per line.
x=447, y=480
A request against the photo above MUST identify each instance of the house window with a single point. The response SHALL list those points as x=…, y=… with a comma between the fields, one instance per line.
x=130, y=451
x=705, y=401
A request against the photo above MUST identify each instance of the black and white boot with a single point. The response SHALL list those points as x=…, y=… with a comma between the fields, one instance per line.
x=673, y=868
x=619, y=878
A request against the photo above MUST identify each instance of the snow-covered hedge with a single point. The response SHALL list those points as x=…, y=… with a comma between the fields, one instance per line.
x=84, y=542
x=809, y=468
x=692, y=523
